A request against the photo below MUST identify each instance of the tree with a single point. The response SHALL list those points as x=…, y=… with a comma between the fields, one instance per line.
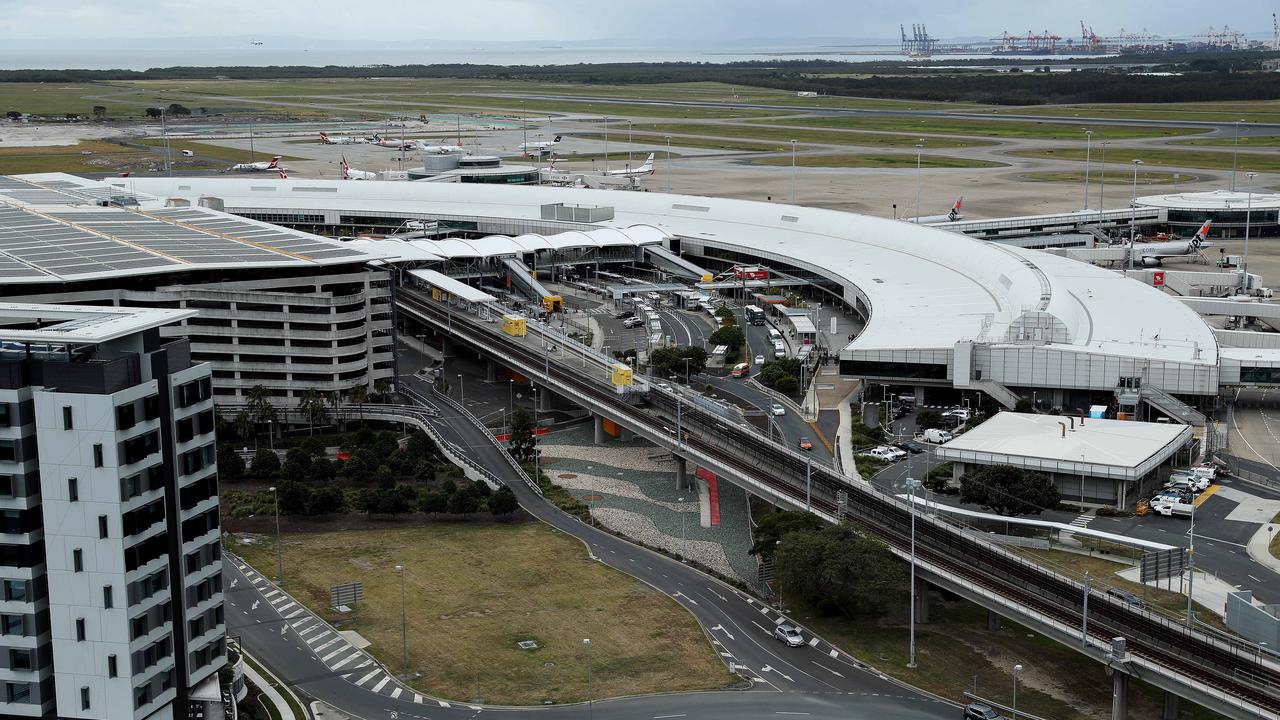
x=927, y=419
x=230, y=464
x=466, y=500
x=433, y=501
x=361, y=466
x=328, y=500
x=521, y=443
x=503, y=502
x=99, y=111
x=297, y=465
x=838, y=570
x=394, y=502
x=334, y=399
x=258, y=405
x=424, y=471
x=13, y=114
x=481, y=488
x=176, y=109
x=726, y=315
x=385, y=478
x=420, y=446
x=265, y=464
x=1008, y=490
x=72, y=116
x=313, y=409
x=1024, y=406
x=774, y=526
x=154, y=112
x=294, y=497
x=385, y=445
x=244, y=425
x=359, y=394
x=364, y=438
x=730, y=335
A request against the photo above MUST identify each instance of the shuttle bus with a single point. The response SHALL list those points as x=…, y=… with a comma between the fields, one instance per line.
x=755, y=316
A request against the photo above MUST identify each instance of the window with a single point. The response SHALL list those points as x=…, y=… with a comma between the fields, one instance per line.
x=9, y=450
x=108, y=597
x=11, y=624
x=80, y=633
x=66, y=418
x=73, y=489
x=6, y=486
x=77, y=560
x=102, y=526
x=6, y=415
x=19, y=659
x=97, y=455
x=111, y=666
x=84, y=698
x=18, y=692
x=15, y=590
x=126, y=416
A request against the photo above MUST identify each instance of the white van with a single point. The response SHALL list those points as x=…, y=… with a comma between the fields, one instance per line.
x=779, y=350
x=936, y=435
x=774, y=335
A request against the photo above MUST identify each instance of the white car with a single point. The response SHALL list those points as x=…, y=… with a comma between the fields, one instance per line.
x=777, y=409
x=886, y=453
x=759, y=360
x=960, y=413
x=789, y=634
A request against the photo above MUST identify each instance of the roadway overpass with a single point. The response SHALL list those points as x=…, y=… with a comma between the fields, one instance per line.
x=1223, y=673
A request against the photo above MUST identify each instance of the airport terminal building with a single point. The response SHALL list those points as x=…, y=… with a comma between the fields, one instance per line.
x=1230, y=212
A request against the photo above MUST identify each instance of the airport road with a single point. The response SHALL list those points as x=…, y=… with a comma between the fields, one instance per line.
x=814, y=680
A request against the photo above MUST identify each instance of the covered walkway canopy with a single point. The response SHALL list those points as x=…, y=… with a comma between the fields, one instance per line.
x=451, y=286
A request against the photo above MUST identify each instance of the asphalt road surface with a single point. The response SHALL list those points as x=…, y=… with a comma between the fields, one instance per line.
x=815, y=680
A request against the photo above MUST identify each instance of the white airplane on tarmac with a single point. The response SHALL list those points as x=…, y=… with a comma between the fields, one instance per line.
x=394, y=144
x=541, y=147
x=422, y=146
x=643, y=170
x=1152, y=254
x=349, y=174
x=952, y=216
x=340, y=139
x=552, y=176
x=257, y=166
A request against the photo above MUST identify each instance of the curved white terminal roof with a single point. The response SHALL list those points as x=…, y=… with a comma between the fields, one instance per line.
x=1213, y=200
x=926, y=288
x=502, y=245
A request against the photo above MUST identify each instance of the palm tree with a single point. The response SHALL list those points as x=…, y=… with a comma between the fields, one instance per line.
x=359, y=394
x=258, y=404
x=382, y=387
x=244, y=424
x=313, y=409
x=334, y=398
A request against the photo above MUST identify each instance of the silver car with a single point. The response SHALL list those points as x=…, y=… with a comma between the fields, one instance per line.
x=789, y=634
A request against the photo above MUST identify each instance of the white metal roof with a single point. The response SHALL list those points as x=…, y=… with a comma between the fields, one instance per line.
x=449, y=285
x=80, y=324
x=503, y=245
x=1103, y=448
x=926, y=288
x=1212, y=200
x=52, y=229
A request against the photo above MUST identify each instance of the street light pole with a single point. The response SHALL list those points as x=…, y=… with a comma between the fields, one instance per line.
x=275, y=501
x=912, y=484
x=1102, y=180
x=1088, y=150
x=668, y=163
x=536, y=474
x=1017, y=670
x=511, y=402
x=1235, y=151
x=1133, y=219
x=1248, y=217
x=919, y=180
x=683, y=555
x=587, y=643
x=462, y=392
x=1191, y=564
x=404, y=625
x=793, y=172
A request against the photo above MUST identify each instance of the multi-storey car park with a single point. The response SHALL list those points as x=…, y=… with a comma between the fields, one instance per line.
x=112, y=584
x=940, y=312
x=289, y=311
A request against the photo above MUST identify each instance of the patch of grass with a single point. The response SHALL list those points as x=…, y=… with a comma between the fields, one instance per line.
x=211, y=152
x=1246, y=142
x=1207, y=159
x=690, y=141
x=473, y=592
x=104, y=157
x=1247, y=110
x=784, y=136
x=62, y=98
x=1046, y=130
x=876, y=161
x=1146, y=178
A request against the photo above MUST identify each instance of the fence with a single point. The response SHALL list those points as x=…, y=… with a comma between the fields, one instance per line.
x=1259, y=623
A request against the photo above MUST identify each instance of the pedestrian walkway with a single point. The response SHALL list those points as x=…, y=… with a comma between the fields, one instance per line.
x=334, y=651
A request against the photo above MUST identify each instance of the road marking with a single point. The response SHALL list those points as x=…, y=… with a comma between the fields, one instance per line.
x=785, y=712
x=417, y=698
x=814, y=641
x=768, y=668
x=382, y=683
x=779, y=620
x=722, y=598
x=396, y=693
x=763, y=628
x=344, y=660
x=444, y=704
x=256, y=603
x=686, y=597
x=319, y=637
x=834, y=653
x=270, y=593
x=722, y=629
x=293, y=614
x=1255, y=579
x=824, y=667
x=372, y=674
x=1214, y=539
x=322, y=647
x=764, y=610
x=664, y=717
x=725, y=654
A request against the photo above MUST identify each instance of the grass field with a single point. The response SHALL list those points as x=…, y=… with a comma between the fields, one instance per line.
x=1145, y=178
x=875, y=161
x=62, y=98
x=786, y=135
x=691, y=141
x=1258, y=141
x=1227, y=112
x=993, y=128
x=211, y=152
x=474, y=591
x=1207, y=159
x=105, y=157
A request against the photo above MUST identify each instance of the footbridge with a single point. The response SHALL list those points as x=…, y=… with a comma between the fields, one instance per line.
x=1223, y=673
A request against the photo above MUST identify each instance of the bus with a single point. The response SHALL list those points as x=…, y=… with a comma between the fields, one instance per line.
x=755, y=316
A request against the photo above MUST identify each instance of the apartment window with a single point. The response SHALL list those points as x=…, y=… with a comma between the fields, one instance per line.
x=108, y=597
x=151, y=407
x=66, y=418
x=6, y=416
x=6, y=485
x=15, y=590
x=73, y=489
x=18, y=692
x=77, y=560
x=111, y=666
x=80, y=633
x=19, y=659
x=102, y=526
x=126, y=416
x=84, y=698
x=9, y=450
x=11, y=624
x=97, y=455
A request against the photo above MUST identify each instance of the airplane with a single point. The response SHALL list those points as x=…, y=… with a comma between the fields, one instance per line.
x=552, y=176
x=952, y=216
x=422, y=146
x=1152, y=254
x=349, y=174
x=394, y=144
x=541, y=147
x=257, y=166
x=340, y=139
x=643, y=170
x=255, y=42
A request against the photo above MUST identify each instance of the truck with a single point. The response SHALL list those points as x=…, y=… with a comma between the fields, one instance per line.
x=936, y=435
x=1172, y=509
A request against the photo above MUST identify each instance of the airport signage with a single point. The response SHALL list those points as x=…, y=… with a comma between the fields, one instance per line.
x=1157, y=278
x=1162, y=564
x=345, y=594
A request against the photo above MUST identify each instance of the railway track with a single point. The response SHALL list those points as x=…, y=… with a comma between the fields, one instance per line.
x=1231, y=666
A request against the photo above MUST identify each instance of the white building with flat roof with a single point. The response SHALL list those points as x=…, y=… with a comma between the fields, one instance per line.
x=1109, y=462
x=1230, y=210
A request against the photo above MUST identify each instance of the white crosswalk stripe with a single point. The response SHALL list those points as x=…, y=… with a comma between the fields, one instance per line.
x=382, y=683
x=345, y=660
x=368, y=677
x=417, y=698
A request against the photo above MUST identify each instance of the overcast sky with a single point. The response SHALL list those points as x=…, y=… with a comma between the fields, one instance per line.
x=661, y=21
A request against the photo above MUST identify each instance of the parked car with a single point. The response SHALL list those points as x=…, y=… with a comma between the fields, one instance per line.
x=759, y=360
x=625, y=314
x=980, y=711
x=805, y=443
x=789, y=634
x=777, y=409
x=632, y=322
x=886, y=453
x=962, y=414
x=910, y=446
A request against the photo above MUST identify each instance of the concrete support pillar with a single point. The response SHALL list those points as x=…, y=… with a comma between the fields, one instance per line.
x=919, y=395
x=544, y=400
x=922, y=602
x=490, y=371
x=625, y=434
x=682, y=469
x=446, y=347
x=597, y=421
x=1119, y=695
x=993, y=621
x=1170, y=709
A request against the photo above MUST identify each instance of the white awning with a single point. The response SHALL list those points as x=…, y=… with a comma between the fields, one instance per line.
x=449, y=285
